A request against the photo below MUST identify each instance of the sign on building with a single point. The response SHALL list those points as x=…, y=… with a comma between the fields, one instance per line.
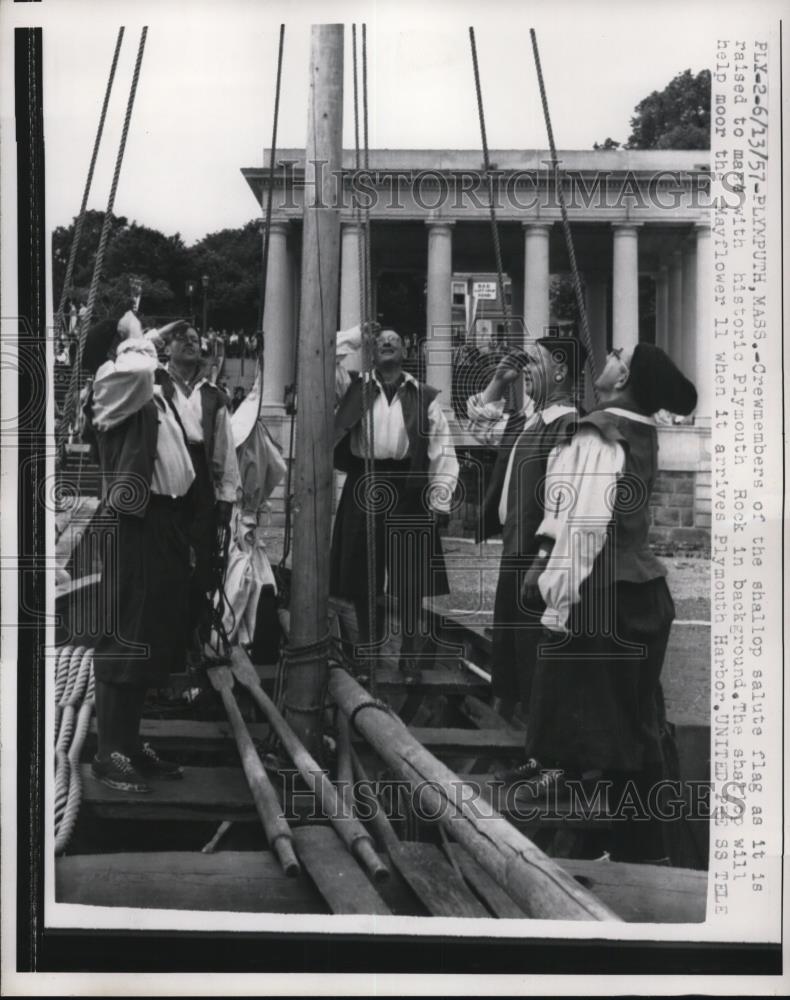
x=484, y=289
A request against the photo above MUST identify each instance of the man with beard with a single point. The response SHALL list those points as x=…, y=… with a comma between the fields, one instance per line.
x=514, y=500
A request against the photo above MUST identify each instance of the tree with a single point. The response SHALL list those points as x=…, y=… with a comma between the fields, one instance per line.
x=232, y=259
x=562, y=298
x=160, y=262
x=63, y=237
x=608, y=143
x=677, y=117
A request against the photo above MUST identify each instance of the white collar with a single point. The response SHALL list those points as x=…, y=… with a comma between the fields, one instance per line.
x=556, y=410
x=179, y=382
x=639, y=418
x=407, y=377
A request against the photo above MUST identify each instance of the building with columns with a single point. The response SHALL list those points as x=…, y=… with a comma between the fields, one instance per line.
x=641, y=231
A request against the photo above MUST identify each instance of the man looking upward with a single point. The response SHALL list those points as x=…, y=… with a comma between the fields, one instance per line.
x=204, y=413
x=415, y=472
x=596, y=707
x=514, y=500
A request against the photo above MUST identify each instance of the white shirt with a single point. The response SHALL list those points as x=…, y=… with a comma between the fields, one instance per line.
x=390, y=439
x=121, y=388
x=225, y=466
x=487, y=422
x=581, y=479
x=173, y=470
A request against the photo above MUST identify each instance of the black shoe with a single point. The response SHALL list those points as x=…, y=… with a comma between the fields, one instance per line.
x=150, y=764
x=521, y=772
x=542, y=784
x=118, y=772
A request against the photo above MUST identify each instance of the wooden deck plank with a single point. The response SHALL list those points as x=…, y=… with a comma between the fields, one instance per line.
x=494, y=896
x=434, y=880
x=177, y=735
x=237, y=881
x=337, y=876
x=204, y=793
x=252, y=882
x=644, y=893
x=434, y=680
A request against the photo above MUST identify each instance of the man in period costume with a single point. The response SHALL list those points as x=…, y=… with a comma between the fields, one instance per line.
x=147, y=476
x=414, y=478
x=596, y=707
x=513, y=504
x=203, y=409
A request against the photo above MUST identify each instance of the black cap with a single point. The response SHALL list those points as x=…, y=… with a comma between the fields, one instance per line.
x=566, y=350
x=98, y=341
x=658, y=384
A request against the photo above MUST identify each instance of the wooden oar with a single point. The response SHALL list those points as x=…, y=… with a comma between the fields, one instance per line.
x=532, y=879
x=351, y=831
x=278, y=833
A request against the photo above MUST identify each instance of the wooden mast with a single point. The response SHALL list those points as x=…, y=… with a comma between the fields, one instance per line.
x=313, y=479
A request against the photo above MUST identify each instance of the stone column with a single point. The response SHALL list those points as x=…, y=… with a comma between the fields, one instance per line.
x=349, y=275
x=536, y=277
x=675, y=327
x=701, y=374
x=688, y=354
x=438, y=343
x=278, y=319
x=625, y=287
x=662, y=308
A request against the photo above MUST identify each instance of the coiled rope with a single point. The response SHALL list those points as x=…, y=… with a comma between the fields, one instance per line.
x=74, y=693
x=72, y=398
x=566, y=226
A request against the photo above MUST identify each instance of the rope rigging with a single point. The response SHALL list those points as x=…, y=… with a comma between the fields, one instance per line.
x=72, y=398
x=510, y=391
x=366, y=326
x=566, y=226
x=267, y=224
x=75, y=243
x=491, y=177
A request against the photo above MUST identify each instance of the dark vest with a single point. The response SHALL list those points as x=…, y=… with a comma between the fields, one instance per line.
x=525, y=499
x=489, y=525
x=627, y=554
x=126, y=456
x=211, y=399
x=415, y=400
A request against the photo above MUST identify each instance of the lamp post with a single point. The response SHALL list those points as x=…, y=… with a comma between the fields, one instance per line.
x=190, y=293
x=204, y=283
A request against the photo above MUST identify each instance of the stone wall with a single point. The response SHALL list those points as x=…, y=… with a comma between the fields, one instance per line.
x=679, y=520
x=676, y=523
